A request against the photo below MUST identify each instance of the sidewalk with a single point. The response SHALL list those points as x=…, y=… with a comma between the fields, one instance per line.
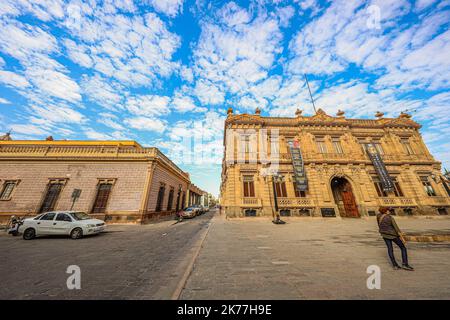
x=315, y=259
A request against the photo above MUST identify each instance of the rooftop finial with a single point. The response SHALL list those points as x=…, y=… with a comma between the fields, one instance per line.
x=257, y=111
x=379, y=114
x=404, y=115
x=230, y=111
x=340, y=113
x=49, y=138
x=298, y=112
x=6, y=136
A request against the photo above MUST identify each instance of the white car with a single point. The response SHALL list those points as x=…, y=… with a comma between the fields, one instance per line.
x=72, y=223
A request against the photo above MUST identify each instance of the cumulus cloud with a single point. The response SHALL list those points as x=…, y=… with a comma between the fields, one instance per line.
x=234, y=52
x=168, y=7
x=146, y=124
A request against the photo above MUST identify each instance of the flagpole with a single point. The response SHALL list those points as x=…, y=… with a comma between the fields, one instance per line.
x=312, y=100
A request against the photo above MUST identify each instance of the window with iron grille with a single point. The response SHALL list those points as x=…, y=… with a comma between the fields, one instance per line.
x=427, y=187
x=321, y=147
x=52, y=194
x=409, y=150
x=337, y=145
x=169, y=204
x=249, y=187
x=379, y=187
x=7, y=190
x=280, y=189
x=159, y=202
x=397, y=190
x=298, y=193
x=101, y=200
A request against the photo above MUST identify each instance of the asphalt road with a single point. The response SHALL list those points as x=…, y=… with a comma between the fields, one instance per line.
x=126, y=262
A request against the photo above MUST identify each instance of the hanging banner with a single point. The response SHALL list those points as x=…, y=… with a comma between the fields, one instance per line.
x=300, y=180
x=386, y=181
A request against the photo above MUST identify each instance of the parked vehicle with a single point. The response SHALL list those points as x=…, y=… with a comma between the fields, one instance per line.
x=189, y=212
x=72, y=223
x=14, y=225
x=200, y=208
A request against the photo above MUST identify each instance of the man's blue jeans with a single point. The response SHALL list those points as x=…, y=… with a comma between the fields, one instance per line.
x=390, y=248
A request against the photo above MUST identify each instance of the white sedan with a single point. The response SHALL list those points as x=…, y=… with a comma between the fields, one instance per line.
x=72, y=223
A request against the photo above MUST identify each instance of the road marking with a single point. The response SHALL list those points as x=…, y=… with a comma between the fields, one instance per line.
x=263, y=248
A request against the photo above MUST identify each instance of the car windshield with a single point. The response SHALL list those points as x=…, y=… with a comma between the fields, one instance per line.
x=188, y=209
x=80, y=215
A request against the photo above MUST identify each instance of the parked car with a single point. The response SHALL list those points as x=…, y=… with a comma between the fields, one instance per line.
x=72, y=223
x=189, y=212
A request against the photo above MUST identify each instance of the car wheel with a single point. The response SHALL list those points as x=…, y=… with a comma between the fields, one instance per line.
x=29, y=234
x=76, y=233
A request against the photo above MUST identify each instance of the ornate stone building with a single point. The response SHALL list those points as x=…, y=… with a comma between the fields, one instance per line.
x=119, y=181
x=343, y=167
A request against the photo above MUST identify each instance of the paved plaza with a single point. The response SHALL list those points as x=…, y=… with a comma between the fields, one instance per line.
x=315, y=259
x=210, y=257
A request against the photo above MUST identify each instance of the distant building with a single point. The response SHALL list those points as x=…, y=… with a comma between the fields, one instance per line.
x=328, y=166
x=119, y=181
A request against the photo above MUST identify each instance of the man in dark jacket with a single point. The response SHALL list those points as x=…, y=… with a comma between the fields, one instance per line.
x=391, y=233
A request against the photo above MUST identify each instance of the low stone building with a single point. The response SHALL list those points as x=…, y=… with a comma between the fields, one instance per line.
x=119, y=181
x=326, y=165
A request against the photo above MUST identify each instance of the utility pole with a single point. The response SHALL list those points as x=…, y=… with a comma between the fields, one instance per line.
x=312, y=100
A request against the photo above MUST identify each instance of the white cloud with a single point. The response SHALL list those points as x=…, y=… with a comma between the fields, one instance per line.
x=54, y=83
x=99, y=90
x=133, y=49
x=28, y=130
x=168, y=7
x=184, y=104
x=208, y=93
x=148, y=105
x=146, y=124
x=234, y=52
x=4, y=101
x=22, y=41
x=78, y=53
x=423, y=4
x=12, y=79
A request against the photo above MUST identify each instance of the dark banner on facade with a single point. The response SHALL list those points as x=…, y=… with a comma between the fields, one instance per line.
x=300, y=180
x=386, y=181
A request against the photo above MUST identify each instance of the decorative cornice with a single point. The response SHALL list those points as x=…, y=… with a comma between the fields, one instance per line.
x=71, y=150
x=322, y=119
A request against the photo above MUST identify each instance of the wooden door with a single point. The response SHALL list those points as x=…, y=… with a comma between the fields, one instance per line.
x=351, y=209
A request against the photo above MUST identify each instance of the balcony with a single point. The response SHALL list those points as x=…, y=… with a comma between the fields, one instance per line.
x=295, y=203
x=251, y=202
x=439, y=201
x=397, y=202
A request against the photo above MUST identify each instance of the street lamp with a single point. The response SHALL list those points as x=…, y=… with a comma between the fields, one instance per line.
x=276, y=178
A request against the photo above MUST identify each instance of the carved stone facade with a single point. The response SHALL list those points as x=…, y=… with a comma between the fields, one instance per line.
x=342, y=180
x=119, y=181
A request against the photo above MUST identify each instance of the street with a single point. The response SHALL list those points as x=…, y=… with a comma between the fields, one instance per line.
x=249, y=258
x=126, y=262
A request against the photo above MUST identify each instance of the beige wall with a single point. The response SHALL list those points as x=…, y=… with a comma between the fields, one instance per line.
x=163, y=175
x=34, y=176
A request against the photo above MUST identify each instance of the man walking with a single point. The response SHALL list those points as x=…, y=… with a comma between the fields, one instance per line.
x=391, y=233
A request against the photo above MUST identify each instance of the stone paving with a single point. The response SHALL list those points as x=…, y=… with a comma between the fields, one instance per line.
x=315, y=259
x=127, y=262
x=307, y=258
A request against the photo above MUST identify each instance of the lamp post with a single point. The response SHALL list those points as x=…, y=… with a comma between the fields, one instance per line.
x=276, y=178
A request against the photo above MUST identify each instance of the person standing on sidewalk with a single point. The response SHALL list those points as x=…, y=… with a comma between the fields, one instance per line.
x=391, y=233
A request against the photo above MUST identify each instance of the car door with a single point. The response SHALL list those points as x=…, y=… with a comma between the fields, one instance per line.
x=62, y=224
x=45, y=223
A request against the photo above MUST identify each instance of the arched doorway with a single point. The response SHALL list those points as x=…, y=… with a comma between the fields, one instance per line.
x=344, y=198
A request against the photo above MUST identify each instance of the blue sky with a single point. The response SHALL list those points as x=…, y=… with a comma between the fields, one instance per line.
x=164, y=72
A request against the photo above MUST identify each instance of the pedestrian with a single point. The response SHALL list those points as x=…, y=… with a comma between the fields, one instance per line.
x=391, y=233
